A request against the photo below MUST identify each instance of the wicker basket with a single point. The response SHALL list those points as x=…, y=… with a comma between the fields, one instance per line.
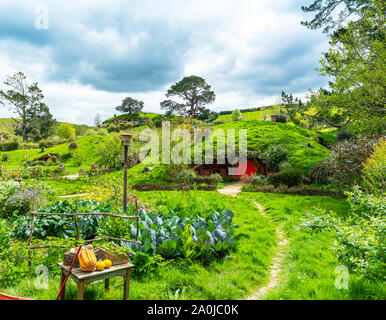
x=115, y=258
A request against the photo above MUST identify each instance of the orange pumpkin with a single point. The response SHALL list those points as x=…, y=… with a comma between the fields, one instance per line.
x=87, y=260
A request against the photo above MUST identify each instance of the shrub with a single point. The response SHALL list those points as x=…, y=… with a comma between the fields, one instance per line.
x=72, y=146
x=214, y=179
x=66, y=130
x=5, y=157
x=102, y=132
x=172, y=170
x=9, y=146
x=284, y=165
x=109, y=152
x=236, y=115
x=90, y=132
x=281, y=118
x=374, y=170
x=259, y=180
x=274, y=179
x=274, y=155
x=344, y=135
x=360, y=236
x=79, y=157
x=346, y=161
x=322, y=173
x=186, y=176
x=5, y=239
x=289, y=177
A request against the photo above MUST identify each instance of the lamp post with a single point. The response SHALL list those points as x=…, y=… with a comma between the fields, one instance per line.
x=126, y=139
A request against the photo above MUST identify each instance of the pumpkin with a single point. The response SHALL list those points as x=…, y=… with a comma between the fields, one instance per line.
x=107, y=263
x=87, y=260
x=100, y=265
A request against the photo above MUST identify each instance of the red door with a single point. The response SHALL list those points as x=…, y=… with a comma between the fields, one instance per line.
x=250, y=170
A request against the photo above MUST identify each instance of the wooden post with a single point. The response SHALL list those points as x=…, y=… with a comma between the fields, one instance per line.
x=107, y=284
x=80, y=289
x=125, y=180
x=76, y=221
x=127, y=285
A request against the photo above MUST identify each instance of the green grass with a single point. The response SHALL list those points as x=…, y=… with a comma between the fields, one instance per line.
x=262, y=134
x=308, y=271
x=135, y=116
x=232, y=277
x=254, y=115
x=86, y=144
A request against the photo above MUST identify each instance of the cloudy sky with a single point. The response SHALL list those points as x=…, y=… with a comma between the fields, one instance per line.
x=87, y=55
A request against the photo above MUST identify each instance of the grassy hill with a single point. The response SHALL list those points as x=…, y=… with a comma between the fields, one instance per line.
x=134, y=116
x=262, y=134
x=7, y=125
x=253, y=115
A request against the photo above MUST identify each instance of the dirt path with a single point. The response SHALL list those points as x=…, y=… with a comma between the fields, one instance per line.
x=275, y=269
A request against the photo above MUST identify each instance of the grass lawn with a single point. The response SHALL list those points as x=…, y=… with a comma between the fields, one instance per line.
x=309, y=264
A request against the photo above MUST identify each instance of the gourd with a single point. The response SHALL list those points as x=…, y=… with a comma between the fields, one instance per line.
x=87, y=260
x=107, y=263
x=100, y=265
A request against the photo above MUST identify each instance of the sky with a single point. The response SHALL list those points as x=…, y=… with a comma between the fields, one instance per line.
x=88, y=55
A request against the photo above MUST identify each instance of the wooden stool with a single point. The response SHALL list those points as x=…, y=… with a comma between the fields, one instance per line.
x=83, y=278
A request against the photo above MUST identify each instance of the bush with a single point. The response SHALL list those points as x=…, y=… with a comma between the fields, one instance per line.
x=275, y=154
x=79, y=157
x=186, y=176
x=346, y=161
x=344, y=135
x=360, y=237
x=5, y=239
x=284, y=165
x=289, y=177
x=322, y=173
x=109, y=152
x=66, y=130
x=5, y=157
x=374, y=170
x=90, y=132
x=172, y=170
x=214, y=179
x=282, y=118
x=72, y=146
x=9, y=146
x=259, y=180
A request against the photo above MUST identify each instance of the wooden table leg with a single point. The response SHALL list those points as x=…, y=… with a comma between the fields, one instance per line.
x=107, y=284
x=62, y=278
x=127, y=285
x=80, y=290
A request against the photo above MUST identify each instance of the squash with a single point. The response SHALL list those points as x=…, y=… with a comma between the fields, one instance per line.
x=100, y=265
x=107, y=263
x=87, y=260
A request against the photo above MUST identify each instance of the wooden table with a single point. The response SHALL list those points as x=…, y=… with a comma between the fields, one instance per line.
x=82, y=278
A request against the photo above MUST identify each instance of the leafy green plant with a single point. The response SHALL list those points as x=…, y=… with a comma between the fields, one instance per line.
x=5, y=240
x=186, y=176
x=274, y=155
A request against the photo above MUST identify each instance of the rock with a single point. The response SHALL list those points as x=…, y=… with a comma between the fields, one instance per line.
x=147, y=169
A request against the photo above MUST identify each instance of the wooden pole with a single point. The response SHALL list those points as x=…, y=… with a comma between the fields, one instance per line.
x=136, y=210
x=125, y=180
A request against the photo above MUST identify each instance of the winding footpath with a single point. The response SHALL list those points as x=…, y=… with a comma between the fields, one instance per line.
x=275, y=269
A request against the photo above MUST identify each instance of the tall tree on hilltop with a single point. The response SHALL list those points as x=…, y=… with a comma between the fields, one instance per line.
x=34, y=118
x=130, y=105
x=194, y=94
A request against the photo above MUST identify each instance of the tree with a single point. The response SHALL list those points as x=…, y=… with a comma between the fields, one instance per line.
x=130, y=105
x=194, y=94
x=325, y=13
x=65, y=130
x=236, y=115
x=25, y=101
x=40, y=123
x=356, y=62
x=97, y=120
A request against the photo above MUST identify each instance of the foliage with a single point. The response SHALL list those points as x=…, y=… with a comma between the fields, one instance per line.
x=72, y=146
x=109, y=152
x=130, y=105
x=281, y=118
x=321, y=173
x=360, y=237
x=356, y=62
x=5, y=239
x=4, y=157
x=65, y=130
x=59, y=226
x=26, y=102
x=191, y=238
x=346, y=160
x=344, y=135
x=274, y=155
x=9, y=146
x=172, y=171
x=236, y=115
x=195, y=93
x=374, y=170
x=186, y=176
